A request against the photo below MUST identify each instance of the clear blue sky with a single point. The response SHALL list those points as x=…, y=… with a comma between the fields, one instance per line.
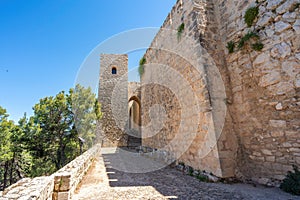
x=44, y=42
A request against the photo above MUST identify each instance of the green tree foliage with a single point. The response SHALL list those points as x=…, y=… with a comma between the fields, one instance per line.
x=45, y=142
x=86, y=110
x=5, y=146
x=15, y=160
x=54, y=133
x=59, y=121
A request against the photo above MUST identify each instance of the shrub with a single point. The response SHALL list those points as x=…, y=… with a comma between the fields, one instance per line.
x=180, y=30
x=250, y=15
x=246, y=38
x=202, y=178
x=291, y=183
x=191, y=171
x=141, y=68
x=257, y=46
x=230, y=46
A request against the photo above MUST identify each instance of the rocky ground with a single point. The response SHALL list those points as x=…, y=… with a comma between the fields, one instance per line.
x=107, y=180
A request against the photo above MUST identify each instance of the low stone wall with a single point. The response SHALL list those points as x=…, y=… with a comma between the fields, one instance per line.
x=59, y=186
x=67, y=178
x=39, y=188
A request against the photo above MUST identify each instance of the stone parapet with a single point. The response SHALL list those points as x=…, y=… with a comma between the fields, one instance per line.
x=59, y=186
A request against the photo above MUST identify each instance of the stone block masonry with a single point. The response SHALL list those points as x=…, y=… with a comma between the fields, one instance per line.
x=193, y=131
x=266, y=93
x=59, y=186
x=113, y=97
x=260, y=137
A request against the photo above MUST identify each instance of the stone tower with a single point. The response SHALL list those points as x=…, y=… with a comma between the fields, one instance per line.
x=112, y=95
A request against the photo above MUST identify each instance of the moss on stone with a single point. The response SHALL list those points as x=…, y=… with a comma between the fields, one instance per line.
x=250, y=15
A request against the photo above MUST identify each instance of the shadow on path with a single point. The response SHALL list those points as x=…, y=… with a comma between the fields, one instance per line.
x=114, y=176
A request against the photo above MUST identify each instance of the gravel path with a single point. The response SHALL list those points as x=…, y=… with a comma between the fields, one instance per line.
x=107, y=180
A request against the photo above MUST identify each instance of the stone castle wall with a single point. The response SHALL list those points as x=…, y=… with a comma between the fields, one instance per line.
x=113, y=97
x=189, y=88
x=265, y=86
x=259, y=90
x=134, y=90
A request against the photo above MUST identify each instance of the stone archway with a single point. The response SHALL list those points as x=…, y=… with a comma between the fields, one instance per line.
x=134, y=122
x=134, y=109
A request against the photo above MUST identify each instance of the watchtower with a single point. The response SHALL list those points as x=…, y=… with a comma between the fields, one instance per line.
x=113, y=97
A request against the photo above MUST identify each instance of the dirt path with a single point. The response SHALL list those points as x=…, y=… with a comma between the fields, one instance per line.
x=107, y=180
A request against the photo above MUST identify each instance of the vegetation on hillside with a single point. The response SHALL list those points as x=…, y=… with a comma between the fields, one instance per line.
x=48, y=140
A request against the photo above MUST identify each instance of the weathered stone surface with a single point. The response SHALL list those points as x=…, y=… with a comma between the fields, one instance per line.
x=270, y=32
x=282, y=88
x=277, y=123
x=296, y=26
x=113, y=97
x=36, y=188
x=291, y=68
x=263, y=82
x=286, y=144
x=297, y=81
x=297, y=22
x=262, y=58
x=270, y=79
x=296, y=29
x=281, y=50
x=287, y=6
x=59, y=186
x=265, y=19
x=297, y=55
x=266, y=152
x=63, y=196
x=289, y=17
x=277, y=133
x=279, y=106
x=281, y=26
x=272, y=4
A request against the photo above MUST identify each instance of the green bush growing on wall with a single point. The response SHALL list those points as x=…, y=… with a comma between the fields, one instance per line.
x=258, y=46
x=250, y=15
x=230, y=46
x=246, y=38
x=180, y=30
x=141, y=68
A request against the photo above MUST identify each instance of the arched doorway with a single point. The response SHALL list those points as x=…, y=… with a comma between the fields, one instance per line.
x=134, y=122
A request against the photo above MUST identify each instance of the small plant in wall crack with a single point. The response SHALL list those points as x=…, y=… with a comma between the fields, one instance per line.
x=250, y=15
x=250, y=38
x=141, y=68
x=230, y=46
x=180, y=30
x=258, y=46
x=246, y=38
